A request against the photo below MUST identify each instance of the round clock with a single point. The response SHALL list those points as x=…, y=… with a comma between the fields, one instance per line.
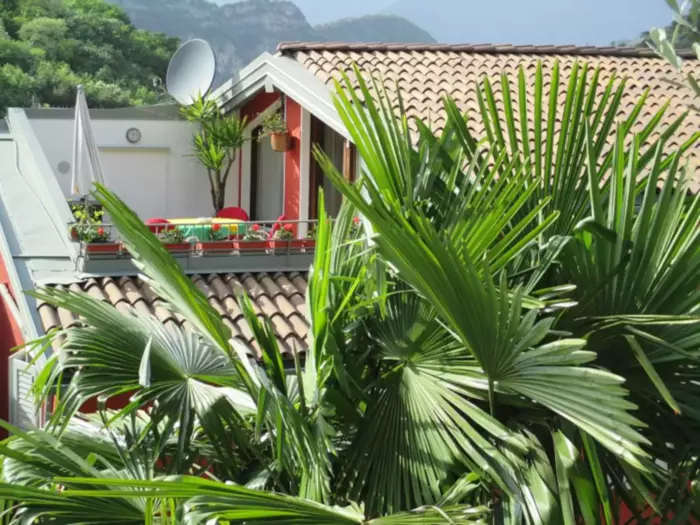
x=133, y=135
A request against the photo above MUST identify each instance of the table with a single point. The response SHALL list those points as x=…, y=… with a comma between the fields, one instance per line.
x=201, y=228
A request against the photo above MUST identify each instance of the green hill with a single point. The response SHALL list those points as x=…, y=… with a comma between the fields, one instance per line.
x=48, y=47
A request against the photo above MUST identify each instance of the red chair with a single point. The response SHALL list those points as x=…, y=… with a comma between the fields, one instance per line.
x=234, y=213
x=157, y=224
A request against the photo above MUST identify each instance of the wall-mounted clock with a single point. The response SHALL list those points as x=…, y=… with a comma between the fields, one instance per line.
x=133, y=135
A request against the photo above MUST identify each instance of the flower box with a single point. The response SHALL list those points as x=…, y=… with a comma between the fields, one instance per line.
x=103, y=247
x=283, y=244
x=177, y=246
x=310, y=243
x=244, y=245
x=215, y=246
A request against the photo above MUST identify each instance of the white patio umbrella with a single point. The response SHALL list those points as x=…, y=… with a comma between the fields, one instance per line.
x=87, y=168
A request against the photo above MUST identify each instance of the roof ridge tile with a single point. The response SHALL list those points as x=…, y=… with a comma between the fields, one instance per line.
x=487, y=48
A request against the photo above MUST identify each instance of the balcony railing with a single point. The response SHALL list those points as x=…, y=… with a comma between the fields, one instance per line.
x=205, y=243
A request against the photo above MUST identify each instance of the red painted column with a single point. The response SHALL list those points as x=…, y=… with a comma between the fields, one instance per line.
x=10, y=336
x=292, y=171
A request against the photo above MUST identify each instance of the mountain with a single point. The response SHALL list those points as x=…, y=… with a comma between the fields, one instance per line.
x=371, y=28
x=237, y=32
x=325, y=11
x=579, y=22
x=240, y=31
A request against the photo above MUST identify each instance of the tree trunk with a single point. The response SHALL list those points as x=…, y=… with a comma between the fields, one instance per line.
x=218, y=193
x=219, y=203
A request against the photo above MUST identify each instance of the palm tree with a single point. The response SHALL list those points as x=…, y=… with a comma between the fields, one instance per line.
x=502, y=340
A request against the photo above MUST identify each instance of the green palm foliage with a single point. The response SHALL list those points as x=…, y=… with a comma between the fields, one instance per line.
x=509, y=335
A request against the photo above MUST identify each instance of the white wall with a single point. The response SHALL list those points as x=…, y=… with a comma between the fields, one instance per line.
x=156, y=177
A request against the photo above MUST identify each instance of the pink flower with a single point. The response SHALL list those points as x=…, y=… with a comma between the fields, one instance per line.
x=100, y=231
x=356, y=220
x=255, y=227
x=288, y=227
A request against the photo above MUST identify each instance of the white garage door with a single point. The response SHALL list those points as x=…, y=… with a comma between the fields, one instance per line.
x=139, y=178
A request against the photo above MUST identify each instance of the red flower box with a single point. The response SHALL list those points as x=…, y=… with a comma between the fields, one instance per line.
x=244, y=245
x=178, y=246
x=102, y=247
x=283, y=244
x=309, y=243
x=215, y=246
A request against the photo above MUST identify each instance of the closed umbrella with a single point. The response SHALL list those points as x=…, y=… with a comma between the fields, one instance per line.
x=87, y=168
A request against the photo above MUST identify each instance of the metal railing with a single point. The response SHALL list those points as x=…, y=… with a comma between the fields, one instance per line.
x=202, y=237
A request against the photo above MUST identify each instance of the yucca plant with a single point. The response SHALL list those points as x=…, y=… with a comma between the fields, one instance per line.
x=216, y=143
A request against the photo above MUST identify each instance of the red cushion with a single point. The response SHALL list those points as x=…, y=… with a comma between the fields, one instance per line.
x=155, y=224
x=233, y=212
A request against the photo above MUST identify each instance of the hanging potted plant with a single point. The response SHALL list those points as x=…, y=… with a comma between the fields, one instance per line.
x=174, y=240
x=216, y=144
x=275, y=127
x=284, y=238
x=254, y=239
x=219, y=240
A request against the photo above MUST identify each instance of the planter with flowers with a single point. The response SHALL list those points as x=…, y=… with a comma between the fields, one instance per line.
x=284, y=238
x=310, y=241
x=95, y=238
x=254, y=239
x=219, y=240
x=174, y=240
x=275, y=127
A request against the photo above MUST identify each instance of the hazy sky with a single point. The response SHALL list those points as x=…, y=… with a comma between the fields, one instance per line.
x=595, y=22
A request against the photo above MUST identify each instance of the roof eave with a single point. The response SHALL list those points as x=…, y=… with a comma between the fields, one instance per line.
x=289, y=77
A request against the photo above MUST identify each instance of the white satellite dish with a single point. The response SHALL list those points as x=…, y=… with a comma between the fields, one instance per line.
x=191, y=71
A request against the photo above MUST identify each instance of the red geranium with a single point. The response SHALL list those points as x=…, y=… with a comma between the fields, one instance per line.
x=255, y=227
x=216, y=227
x=356, y=220
x=100, y=231
x=288, y=227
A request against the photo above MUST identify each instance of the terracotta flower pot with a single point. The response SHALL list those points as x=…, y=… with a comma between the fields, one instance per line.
x=248, y=246
x=215, y=246
x=279, y=141
x=102, y=247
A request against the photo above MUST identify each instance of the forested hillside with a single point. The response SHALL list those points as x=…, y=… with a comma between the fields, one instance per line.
x=240, y=31
x=48, y=47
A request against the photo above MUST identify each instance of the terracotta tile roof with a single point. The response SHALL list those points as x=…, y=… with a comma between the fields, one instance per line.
x=279, y=297
x=425, y=73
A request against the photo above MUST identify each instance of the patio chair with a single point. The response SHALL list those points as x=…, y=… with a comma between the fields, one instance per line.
x=156, y=225
x=233, y=212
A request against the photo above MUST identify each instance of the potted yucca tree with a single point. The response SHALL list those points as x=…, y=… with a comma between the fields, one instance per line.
x=216, y=144
x=275, y=127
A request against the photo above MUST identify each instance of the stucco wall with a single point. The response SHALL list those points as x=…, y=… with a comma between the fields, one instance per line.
x=156, y=177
